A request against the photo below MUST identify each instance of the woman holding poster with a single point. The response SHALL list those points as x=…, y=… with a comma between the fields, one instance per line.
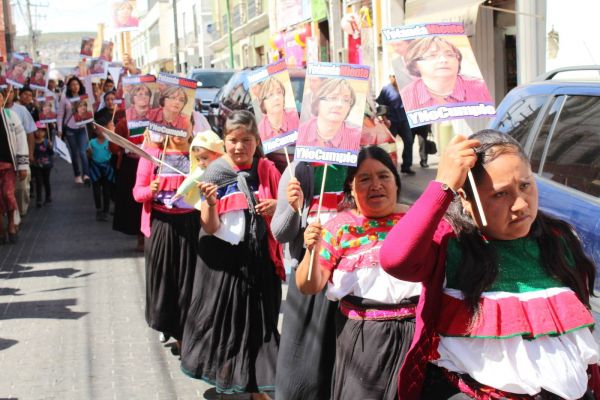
x=375, y=321
x=505, y=310
x=172, y=101
x=436, y=63
x=276, y=119
x=77, y=136
x=231, y=338
x=330, y=108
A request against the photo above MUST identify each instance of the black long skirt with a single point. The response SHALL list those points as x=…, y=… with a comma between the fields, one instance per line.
x=170, y=266
x=307, y=350
x=368, y=357
x=127, y=210
x=231, y=338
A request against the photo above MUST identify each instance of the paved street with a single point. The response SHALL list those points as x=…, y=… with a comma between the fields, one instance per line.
x=72, y=310
x=72, y=307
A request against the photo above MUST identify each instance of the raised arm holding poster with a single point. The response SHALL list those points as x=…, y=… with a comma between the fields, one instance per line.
x=176, y=103
x=332, y=120
x=274, y=106
x=446, y=82
x=139, y=91
x=39, y=77
x=19, y=68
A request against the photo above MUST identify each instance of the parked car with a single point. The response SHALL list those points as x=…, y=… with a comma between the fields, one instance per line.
x=209, y=83
x=557, y=120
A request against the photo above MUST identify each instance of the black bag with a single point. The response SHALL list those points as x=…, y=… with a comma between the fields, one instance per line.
x=430, y=146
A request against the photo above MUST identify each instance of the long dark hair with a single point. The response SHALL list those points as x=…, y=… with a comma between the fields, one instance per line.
x=375, y=153
x=557, y=240
x=68, y=90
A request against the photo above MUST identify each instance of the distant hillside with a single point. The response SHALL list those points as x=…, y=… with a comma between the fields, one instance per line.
x=60, y=48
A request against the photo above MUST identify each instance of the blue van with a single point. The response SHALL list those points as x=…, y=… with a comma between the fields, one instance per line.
x=557, y=120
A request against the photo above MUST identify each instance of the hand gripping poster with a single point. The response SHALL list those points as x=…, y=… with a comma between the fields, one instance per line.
x=274, y=106
x=332, y=113
x=436, y=73
x=39, y=77
x=175, y=105
x=140, y=93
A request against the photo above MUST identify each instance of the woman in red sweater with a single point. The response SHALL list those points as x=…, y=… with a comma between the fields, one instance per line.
x=505, y=311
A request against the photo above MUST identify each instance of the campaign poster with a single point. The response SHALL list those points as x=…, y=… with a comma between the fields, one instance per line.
x=274, y=106
x=124, y=15
x=87, y=47
x=140, y=93
x=3, y=84
x=176, y=98
x=106, y=51
x=97, y=68
x=39, y=77
x=332, y=114
x=115, y=72
x=47, y=109
x=18, y=69
x=436, y=72
x=82, y=109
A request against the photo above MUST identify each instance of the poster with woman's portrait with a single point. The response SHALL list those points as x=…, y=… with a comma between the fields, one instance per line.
x=47, y=109
x=39, y=77
x=140, y=93
x=124, y=15
x=82, y=109
x=274, y=106
x=333, y=107
x=18, y=69
x=97, y=68
x=106, y=51
x=436, y=73
x=176, y=98
x=87, y=47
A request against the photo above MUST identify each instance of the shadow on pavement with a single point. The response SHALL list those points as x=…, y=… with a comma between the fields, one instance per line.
x=53, y=309
x=10, y=292
x=6, y=343
x=20, y=271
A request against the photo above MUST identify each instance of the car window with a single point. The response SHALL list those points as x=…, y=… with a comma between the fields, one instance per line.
x=573, y=154
x=539, y=145
x=213, y=79
x=519, y=119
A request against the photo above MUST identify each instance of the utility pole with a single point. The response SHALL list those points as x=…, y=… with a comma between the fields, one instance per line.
x=30, y=22
x=177, y=67
x=230, y=36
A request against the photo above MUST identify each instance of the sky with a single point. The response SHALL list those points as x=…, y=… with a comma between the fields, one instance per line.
x=65, y=15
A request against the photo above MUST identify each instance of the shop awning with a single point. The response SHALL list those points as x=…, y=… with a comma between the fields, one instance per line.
x=464, y=11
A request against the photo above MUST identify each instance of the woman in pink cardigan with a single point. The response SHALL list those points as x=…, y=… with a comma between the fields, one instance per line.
x=172, y=229
x=504, y=312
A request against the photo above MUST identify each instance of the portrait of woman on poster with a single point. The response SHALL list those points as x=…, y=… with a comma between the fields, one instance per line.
x=123, y=16
x=82, y=113
x=47, y=112
x=17, y=72
x=97, y=66
x=38, y=77
x=436, y=65
x=106, y=51
x=87, y=47
x=276, y=119
x=328, y=126
x=172, y=101
x=140, y=96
